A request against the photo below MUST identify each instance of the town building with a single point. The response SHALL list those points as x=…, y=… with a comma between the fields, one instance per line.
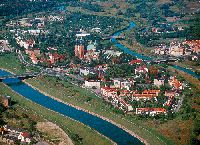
x=79, y=51
x=123, y=83
x=145, y=95
x=159, y=82
x=194, y=45
x=6, y=101
x=24, y=137
x=150, y=111
x=175, y=83
x=141, y=69
x=176, y=49
x=137, y=61
x=108, y=92
x=93, y=84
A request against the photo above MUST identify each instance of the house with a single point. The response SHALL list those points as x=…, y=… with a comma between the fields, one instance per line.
x=29, y=43
x=26, y=44
x=138, y=97
x=111, y=95
x=159, y=82
x=123, y=105
x=33, y=57
x=122, y=83
x=54, y=57
x=24, y=137
x=35, y=50
x=153, y=92
x=137, y=61
x=161, y=49
x=125, y=93
x=92, y=84
x=177, y=49
x=175, y=83
x=141, y=69
x=102, y=67
x=120, y=103
x=107, y=92
x=194, y=45
x=150, y=111
x=6, y=101
x=146, y=95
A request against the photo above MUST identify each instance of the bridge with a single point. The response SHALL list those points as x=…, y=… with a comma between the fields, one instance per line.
x=110, y=37
x=21, y=76
x=167, y=60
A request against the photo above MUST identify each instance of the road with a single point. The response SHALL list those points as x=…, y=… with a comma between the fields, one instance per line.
x=180, y=102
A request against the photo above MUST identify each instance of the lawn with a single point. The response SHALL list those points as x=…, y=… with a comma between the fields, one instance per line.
x=85, y=99
x=11, y=62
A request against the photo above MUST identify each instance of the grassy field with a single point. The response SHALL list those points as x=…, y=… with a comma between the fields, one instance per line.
x=85, y=99
x=194, y=66
x=78, y=132
x=11, y=62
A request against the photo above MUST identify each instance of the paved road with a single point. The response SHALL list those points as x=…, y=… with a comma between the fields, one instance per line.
x=180, y=102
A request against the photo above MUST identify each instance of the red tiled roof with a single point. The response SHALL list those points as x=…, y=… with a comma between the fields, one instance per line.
x=152, y=109
x=144, y=95
x=135, y=61
x=25, y=134
x=109, y=89
x=150, y=91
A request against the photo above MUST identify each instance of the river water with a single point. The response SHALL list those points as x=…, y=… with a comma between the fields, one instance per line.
x=106, y=128
x=143, y=57
x=109, y=130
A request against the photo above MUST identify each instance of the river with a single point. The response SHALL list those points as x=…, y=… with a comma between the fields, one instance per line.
x=106, y=128
x=143, y=57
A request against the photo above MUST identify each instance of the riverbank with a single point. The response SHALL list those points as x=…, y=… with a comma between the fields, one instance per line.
x=54, y=132
x=65, y=92
x=129, y=122
x=92, y=113
x=77, y=131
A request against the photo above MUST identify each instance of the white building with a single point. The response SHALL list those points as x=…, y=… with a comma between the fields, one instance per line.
x=92, y=83
x=122, y=83
x=24, y=137
x=159, y=82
